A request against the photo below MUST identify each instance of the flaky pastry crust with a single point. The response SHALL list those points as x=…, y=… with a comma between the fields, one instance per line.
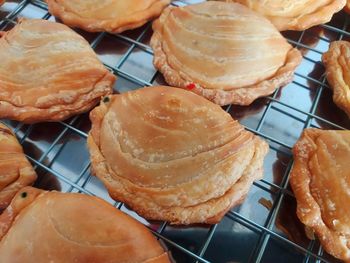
x=15, y=170
x=113, y=16
x=337, y=63
x=48, y=73
x=172, y=155
x=296, y=15
x=66, y=227
x=222, y=51
x=320, y=180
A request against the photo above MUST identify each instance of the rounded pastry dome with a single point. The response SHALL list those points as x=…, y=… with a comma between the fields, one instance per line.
x=167, y=152
x=225, y=51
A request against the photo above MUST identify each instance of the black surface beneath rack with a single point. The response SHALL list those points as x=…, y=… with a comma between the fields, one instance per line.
x=248, y=233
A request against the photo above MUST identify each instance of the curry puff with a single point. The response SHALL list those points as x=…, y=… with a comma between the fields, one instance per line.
x=48, y=73
x=295, y=14
x=337, y=63
x=222, y=51
x=320, y=180
x=172, y=155
x=15, y=170
x=113, y=16
x=44, y=227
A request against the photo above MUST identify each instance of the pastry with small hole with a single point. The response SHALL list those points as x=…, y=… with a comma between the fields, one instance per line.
x=172, y=155
x=15, y=170
x=48, y=73
x=43, y=227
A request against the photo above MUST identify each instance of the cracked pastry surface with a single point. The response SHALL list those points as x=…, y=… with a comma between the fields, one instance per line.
x=172, y=155
x=113, y=16
x=320, y=179
x=69, y=227
x=337, y=64
x=222, y=51
x=15, y=170
x=295, y=14
x=48, y=73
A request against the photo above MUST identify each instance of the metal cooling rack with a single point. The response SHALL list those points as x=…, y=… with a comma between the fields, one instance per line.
x=252, y=232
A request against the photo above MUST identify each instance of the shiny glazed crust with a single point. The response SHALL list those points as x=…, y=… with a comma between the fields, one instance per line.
x=66, y=227
x=182, y=168
x=337, y=63
x=48, y=73
x=296, y=15
x=242, y=91
x=130, y=14
x=15, y=170
x=331, y=226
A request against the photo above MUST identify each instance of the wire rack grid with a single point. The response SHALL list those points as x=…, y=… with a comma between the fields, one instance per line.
x=264, y=228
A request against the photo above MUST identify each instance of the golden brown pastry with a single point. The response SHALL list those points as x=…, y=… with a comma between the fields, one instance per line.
x=15, y=170
x=58, y=227
x=172, y=155
x=337, y=63
x=222, y=51
x=113, y=16
x=320, y=180
x=48, y=73
x=295, y=14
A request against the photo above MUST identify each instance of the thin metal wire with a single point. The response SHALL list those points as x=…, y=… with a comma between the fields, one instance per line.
x=281, y=191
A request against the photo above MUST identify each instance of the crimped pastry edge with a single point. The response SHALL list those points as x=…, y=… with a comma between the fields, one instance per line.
x=308, y=210
x=27, y=175
x=301, y=23
x=55, y=113
x=341, y=96
x=116, y=25
x=241, y=96
x=209, y=212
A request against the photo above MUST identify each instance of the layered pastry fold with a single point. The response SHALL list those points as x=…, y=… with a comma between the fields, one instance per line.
x=337, y=64
x=48, y=73
x=15, y=170
x=320, y=179
x=296, y=14
x=222, y=51
x=172, y=155
x=113, y=16
x=57, y=227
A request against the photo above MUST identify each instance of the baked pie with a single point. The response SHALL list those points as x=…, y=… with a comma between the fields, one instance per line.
x=48, y=73
x=172, y=155
x=320, y=179
x=337, y=63
x=15, y=170
x=44, y=227
x=222, y=51
x=297, y=14
x=113, y=16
